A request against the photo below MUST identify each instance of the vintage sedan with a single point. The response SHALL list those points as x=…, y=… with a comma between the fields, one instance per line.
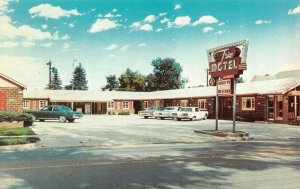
x=62, y=113
x=149, y=112
x=167, y=112
x=190, y=113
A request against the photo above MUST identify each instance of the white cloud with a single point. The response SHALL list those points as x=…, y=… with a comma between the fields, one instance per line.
x=294, y=11
x=109, y=15
x=8, y=44
x=220, y=32
x=142, y=45
x=182, y=21
x=177, y=6
x=47, y=45
x=163, y=14
x=208, y=19
x=103, y=25
x=65, y=37
x=207, y=29
x=112, y=56
x=262, y=22
x=125, y=47
x=66, y=47
x=150, y=19
x=8, y=30
x=54, y=12
x=159, y=30
x=146, y=27
x=164, y=20
x=111, y=47
x=115, y=10
x=28, y=44
x=45, y=26
x=221, y=24
x=118, y=15
x=4, y=6
x=135, y=25
x=71, y=25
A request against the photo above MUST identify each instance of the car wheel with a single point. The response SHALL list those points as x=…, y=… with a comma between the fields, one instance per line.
x=146, y=117
x=71, y=120
x=205, y=117
x=193, y=118
x=62, y=119
x=162, y=118
x=41, y=120
x=178, y=119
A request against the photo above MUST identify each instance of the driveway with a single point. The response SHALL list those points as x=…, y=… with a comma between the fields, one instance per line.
x=110, y=131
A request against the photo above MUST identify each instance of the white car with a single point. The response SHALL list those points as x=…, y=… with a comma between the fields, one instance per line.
x=167, y=112
x=148, y=112
x=191, y=113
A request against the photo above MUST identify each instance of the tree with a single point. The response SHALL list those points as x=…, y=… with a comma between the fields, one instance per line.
x=132, y=81
x=56, y=83
x=78, y=81
x=150, y=82
x=112, y=83
x=167, y=74
x=240, y=80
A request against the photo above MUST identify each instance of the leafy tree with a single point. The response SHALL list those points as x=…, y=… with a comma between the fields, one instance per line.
x=79, y=81
x=56, y=83
x=132, y=81
x=168, y=74
x=150, y=82
x=112, y=83
x=240, y=80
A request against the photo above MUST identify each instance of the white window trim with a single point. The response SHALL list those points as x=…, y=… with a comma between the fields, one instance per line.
x=244, y=103
x=127, y=105
x=109, y=105
x=26, y=104
x=200, y=101
x=46, y=103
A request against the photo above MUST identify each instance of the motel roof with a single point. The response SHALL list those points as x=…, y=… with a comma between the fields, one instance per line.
x=275, y=86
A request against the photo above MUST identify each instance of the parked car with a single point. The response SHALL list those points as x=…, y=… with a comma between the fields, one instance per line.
x=191, y=113
x=62, y=113
x=167, y=112
x=149, y=112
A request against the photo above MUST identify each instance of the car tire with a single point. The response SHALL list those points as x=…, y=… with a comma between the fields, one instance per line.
x=193, y=118
x=71, y=120
x=146, y=117
x=178, y=119
x=62, y=119
x=205, y=117
x=41, y=120
x=162, y=118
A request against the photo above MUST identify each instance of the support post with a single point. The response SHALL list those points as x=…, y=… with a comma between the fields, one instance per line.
x=234, y=105
x=217, y=105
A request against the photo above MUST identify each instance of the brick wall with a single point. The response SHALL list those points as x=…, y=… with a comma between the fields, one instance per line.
x=14, y=99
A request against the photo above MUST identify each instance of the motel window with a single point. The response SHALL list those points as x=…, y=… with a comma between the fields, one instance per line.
x=125, y=105
x=146, y=104
x=183, y=103
x=201, y=104
x=43, y=103
x=248, y=103
x=26, y=104
x=110, y=105
x=156, y=103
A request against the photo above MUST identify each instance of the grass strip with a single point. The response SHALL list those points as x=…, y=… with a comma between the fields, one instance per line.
x=16, y=131
x=17, y=140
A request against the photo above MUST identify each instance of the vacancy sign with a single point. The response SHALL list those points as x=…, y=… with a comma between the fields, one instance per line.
x=225, y=87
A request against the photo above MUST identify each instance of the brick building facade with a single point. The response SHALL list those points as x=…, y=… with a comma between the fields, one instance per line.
x=11, y=94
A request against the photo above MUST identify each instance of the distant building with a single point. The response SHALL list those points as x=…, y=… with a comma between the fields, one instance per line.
x=11, y=94
x=279, y=75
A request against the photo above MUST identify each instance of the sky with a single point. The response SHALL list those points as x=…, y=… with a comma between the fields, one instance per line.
x=109, y=36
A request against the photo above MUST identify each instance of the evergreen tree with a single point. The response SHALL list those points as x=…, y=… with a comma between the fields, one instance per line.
x=56, y=83
x=79, y=81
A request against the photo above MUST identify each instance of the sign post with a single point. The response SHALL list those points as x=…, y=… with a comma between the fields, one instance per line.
x=226, y=63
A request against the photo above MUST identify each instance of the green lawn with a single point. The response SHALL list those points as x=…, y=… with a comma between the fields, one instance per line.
x=16, y=131
x=17, y=140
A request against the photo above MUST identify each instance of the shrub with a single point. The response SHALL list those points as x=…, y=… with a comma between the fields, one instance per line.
x=11, y=116
x=123, y=113
x=114, y=113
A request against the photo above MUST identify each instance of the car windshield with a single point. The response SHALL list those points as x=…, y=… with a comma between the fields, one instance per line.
x=66, y=108
x=170, y=108
x=185, y=109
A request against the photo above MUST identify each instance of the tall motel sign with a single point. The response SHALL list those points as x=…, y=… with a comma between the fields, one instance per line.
x=226, y=64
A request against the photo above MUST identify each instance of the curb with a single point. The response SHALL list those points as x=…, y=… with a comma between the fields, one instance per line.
x=223, y=133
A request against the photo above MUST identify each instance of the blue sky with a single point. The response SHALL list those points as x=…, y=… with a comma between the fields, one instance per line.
x=109, y=36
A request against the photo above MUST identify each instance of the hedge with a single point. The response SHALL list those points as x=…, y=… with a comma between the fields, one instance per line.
x=12, y=116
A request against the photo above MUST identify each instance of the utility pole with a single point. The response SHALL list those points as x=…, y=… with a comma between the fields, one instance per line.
x=50, y=72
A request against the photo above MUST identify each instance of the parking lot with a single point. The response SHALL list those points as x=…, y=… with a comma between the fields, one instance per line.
x=119, y=131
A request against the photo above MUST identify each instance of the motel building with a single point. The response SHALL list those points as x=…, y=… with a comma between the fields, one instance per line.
x=264, y=98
